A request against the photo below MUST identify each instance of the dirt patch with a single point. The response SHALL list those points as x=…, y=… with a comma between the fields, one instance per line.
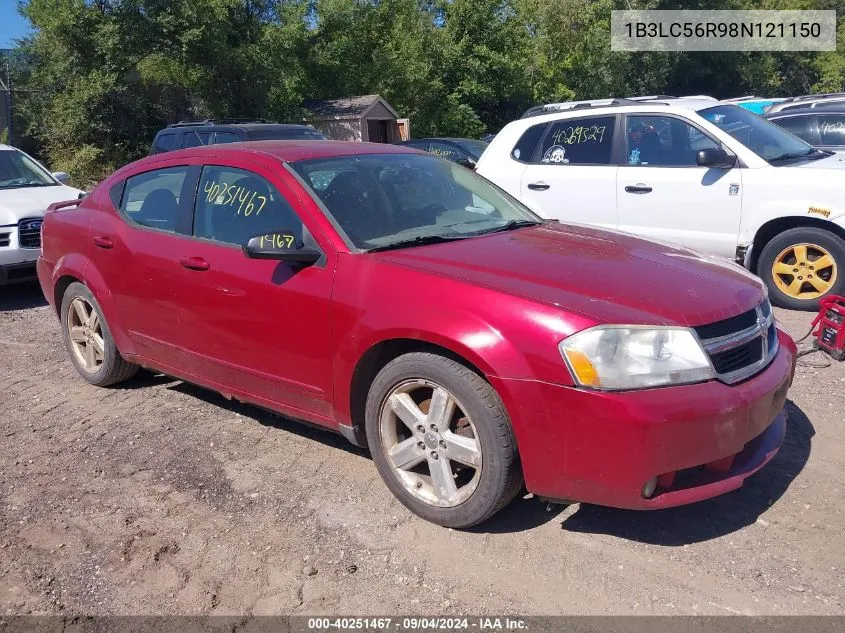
x=160, y=497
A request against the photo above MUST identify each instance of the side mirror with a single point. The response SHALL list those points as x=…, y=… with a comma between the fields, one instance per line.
x=62, y=176
x=467, y=162
x=280, y=245
x=715, y=157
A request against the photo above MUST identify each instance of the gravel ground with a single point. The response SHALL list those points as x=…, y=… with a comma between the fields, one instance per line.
x=160, y=497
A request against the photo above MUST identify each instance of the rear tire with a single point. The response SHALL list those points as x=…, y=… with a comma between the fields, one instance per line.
x=89, y=341
x=456, y=469
x=802, y=265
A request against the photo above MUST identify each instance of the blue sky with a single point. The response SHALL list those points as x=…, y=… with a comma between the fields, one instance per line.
x=12, y=25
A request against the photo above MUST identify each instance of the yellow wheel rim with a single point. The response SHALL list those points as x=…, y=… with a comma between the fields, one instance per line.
x=804, y=271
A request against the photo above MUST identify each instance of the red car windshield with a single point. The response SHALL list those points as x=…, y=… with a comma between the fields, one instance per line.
x=381, y=199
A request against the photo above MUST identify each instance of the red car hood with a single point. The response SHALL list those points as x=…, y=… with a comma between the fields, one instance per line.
x=608, y=276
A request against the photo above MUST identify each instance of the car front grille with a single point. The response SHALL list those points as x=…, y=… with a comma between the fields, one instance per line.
x=29, y=233
x=741, y=346
x=5, y=239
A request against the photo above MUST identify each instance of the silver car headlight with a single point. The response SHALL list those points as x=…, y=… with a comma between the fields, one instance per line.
x=619, y=357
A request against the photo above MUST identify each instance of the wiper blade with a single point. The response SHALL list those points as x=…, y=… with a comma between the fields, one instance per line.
x=422, y=240
x=21, y=185
x=509, y=226
x=790, y=155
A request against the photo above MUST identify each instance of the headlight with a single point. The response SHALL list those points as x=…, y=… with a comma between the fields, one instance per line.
x=632, y=357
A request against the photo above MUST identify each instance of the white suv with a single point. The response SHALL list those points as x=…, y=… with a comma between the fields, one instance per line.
x=708, y=175
x=26, y=190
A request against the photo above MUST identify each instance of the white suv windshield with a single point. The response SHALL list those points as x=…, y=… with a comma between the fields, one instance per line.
x=19, y=170
x=768, y=141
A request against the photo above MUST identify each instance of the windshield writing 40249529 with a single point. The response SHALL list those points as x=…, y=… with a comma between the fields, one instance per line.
x=579, y=134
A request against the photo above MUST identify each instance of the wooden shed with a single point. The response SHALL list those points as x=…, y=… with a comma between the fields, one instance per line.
x=366, y=118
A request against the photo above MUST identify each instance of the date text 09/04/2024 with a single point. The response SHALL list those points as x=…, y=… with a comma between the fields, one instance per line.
x=419, y=623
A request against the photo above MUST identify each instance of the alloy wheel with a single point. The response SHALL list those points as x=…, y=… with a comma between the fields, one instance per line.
x=86, y=335
x=431, y=443
x=804, y=271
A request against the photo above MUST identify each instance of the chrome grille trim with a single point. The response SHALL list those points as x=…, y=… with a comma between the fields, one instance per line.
x=724, y=343
x=759, y=331
x=29, y=233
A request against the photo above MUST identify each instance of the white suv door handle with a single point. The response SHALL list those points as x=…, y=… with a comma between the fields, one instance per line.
x=638, y=188
x=538, y=186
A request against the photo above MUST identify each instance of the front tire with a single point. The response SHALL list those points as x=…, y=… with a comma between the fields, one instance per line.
x=441, y=440
x=89, y=341
x=802, y=265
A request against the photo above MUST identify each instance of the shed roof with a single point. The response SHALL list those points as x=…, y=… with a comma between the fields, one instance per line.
x=346, y=108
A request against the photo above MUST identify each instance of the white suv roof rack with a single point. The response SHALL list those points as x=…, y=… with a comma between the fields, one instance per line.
x=613, y=101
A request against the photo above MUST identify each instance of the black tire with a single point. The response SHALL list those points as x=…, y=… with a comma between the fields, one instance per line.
x=114, y=368
x=501, y=475
x=830, y=242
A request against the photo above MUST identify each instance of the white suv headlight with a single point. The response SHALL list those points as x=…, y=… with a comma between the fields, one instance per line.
x=614, y=357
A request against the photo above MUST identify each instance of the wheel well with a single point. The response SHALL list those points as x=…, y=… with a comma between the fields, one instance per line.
x=372, y=362
x=59, y=291
x=774, y=227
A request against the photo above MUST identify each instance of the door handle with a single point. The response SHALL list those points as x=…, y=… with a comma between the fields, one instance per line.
x=194, y=263
x=103, y=241
x=538, y=186
x=638, y=188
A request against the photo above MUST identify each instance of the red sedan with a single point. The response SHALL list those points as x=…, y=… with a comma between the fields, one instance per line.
x=410, y=305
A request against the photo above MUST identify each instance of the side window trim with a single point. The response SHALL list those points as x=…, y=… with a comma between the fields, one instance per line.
x=668, y=115
x=116, y=194
x=538, y=150
x=187, y=199
x=815, y=130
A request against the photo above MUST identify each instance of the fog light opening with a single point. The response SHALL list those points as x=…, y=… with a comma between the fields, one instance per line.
x=650, y=487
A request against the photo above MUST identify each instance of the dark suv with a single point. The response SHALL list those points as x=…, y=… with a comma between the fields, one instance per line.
x=822, y=126
x=212, y=131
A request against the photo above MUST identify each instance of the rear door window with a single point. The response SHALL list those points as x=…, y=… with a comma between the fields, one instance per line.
x=151, y=199
x=226, y=137
x=587, y=141
x=523, y=151
x=193, y=138
x=446, y=150
x=832, y=129
x=285, y=134
x=165, y=142
x=800, y=126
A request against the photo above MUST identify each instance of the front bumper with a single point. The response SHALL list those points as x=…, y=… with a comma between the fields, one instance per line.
x=700, y=440
x=17, y=273
x=17, y=264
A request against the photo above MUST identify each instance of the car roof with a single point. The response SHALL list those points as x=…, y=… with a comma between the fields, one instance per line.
x=293, y=150
x=250, y=127
x=649, y=107
x=452, y=139
x=828, y=109
x=616, y=105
